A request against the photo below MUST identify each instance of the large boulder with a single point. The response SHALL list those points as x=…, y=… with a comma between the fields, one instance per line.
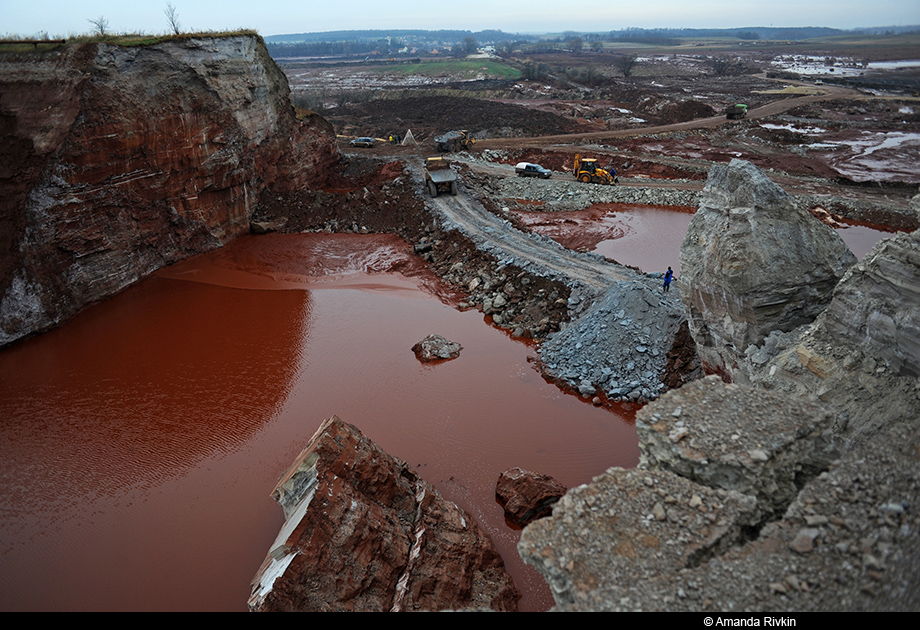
x=527, y=496
x=364, y=533
x=753, y=263
x=436, y=348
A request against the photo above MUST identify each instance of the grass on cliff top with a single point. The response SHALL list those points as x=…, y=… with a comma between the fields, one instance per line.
x=121, y=39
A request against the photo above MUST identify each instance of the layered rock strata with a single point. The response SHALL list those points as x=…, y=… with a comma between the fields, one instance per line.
x=861, y=355
x=119, y=160
x=364, y=533
x=753, y=263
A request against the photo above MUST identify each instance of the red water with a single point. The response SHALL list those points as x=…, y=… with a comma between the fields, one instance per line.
x=649, y=237
x=141, y=439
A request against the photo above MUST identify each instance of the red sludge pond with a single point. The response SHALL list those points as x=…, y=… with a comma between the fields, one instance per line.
x=141, y=439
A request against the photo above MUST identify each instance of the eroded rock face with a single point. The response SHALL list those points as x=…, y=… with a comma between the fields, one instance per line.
x=877, y=306
x=364, y=533
x=436, y=348
x=527, y=496
x=119, y=160
x=862, y=355
x=753, y=263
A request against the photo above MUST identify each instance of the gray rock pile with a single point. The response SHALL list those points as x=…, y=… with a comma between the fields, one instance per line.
x=558, y=195
x=618, y=346
x=753, y=262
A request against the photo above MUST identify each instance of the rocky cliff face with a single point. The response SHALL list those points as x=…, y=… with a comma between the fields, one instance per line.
x=115, y=161
x=753, y=263
x=365, y=533
x=862, y=354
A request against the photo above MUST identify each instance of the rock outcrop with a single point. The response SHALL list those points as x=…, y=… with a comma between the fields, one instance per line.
x=753, y=263
x=862, y=354
x=119, y=160
x=817, y=477
x=527, y=496
x=364, y=533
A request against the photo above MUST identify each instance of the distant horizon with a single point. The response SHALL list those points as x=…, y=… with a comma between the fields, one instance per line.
x=63, y=18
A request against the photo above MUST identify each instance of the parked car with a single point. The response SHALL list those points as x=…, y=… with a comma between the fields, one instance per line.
x=363, y=142
x=526, y=169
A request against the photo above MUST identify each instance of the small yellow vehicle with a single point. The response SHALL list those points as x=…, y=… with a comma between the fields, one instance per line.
x=587, y=171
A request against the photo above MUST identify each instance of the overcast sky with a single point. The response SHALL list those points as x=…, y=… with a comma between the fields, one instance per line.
x=28, y=18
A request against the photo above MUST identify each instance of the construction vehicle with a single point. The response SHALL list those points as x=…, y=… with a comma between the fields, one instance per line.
x=440, y=177
x=733, y=112
x=586, y=170
x=454, y=141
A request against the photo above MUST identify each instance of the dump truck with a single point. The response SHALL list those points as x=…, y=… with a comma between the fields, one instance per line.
x=733, y=112
x=586, y=170
x=440, y=177
x=454, y=141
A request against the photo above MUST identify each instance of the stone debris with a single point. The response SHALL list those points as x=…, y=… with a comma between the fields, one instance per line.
x=610, y=537
x=436, y=348
x=364, y=533
x=527, y=496
x=847, y=541
x=776, y=444
x=619, y=345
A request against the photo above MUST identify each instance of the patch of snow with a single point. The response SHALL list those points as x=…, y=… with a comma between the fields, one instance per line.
x=792, y=128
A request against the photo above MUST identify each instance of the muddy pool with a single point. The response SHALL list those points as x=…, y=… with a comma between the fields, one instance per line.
x=141, y=439
x=649, y=237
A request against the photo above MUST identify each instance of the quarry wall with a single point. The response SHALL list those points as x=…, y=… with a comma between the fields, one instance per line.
x=116, y=161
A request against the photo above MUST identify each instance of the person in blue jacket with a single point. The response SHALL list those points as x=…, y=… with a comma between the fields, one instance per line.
x=668, y=276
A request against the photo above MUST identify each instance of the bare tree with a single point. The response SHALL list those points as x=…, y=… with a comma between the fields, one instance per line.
x=101, y=25
x=626, y=63
x=172, y=17
x=719, y=64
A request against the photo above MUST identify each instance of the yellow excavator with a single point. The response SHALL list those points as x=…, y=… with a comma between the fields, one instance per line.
x=587, y=171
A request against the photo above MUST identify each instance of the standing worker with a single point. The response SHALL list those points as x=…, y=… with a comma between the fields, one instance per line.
x=668, y=276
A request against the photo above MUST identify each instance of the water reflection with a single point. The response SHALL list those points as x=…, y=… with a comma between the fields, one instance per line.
x=142, y=439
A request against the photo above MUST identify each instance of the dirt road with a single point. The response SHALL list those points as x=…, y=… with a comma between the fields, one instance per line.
x=533, y=252
x=770, y=109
